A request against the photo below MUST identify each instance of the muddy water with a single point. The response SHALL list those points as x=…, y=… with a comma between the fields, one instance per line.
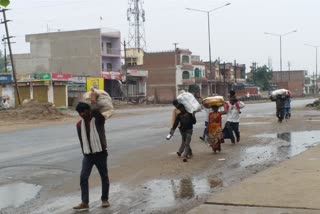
x=277, y=147
x=175, y=195
x=15, y=195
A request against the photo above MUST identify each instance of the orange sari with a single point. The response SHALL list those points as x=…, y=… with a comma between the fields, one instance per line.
x=214, y=130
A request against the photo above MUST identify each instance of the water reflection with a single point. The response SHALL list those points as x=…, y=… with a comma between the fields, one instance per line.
x=284, y=145
x=286, y=136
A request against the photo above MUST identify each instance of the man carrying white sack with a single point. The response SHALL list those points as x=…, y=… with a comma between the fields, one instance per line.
x=91, y=133
x=100, y=100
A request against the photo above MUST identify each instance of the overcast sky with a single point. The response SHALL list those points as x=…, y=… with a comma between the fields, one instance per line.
x=237, y=31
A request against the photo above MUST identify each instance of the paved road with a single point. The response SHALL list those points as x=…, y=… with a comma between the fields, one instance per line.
x=57, y=147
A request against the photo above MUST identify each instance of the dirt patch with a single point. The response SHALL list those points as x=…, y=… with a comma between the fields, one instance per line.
x=32, y=114
x=33, y=110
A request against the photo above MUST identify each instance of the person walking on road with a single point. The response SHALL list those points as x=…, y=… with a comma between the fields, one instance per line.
x=91, y=133
x=280, y=102
x=186, y=121
x=215, y=136
x=287, y=107
x=233, y=119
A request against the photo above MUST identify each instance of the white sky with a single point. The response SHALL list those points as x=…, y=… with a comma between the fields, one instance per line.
x=237, y=31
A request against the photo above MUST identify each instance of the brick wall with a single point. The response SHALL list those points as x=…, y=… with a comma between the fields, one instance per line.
x=161, y=82
x=291, y=80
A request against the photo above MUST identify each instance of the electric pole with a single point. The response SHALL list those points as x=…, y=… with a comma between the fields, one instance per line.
x=5, y=22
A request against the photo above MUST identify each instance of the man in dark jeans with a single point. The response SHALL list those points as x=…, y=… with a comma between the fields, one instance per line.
x=280, y=101
x=186, y=121
x=91, y=133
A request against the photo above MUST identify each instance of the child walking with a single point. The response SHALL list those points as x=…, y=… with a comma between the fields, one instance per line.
x=186, y=121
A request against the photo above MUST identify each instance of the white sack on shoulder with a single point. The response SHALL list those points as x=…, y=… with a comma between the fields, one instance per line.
x=104, y=102
x=189, y=102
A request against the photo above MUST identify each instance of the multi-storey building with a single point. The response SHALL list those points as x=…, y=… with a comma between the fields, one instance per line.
x=92, y=52
x=172, y=71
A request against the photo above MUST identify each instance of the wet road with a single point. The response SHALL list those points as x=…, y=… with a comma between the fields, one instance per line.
x=55, y=150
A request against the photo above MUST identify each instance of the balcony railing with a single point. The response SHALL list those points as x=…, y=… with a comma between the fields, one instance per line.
x=201, y=79
x=111, y=52
x=188, y=81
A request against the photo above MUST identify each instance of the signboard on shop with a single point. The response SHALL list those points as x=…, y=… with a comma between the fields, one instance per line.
x=23, y=77
x=6, y=78
x=40, y=83
x=137, y=73
x=111, y=75
x=41, y=76
x=97, y=83
x=78, y=79
x=61, y=77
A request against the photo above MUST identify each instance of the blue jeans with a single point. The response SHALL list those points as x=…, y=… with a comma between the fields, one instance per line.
x=100, y=161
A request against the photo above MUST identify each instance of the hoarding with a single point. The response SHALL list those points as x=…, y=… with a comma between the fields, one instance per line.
x=94, y=82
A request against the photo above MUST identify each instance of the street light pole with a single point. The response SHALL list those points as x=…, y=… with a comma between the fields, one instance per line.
x=209, y=38
x=281, y=55
x=280, y=36
x=315, y=47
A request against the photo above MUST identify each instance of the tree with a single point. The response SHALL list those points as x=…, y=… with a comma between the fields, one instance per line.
x=4, y=3
x=2, y=63
x=261, y=77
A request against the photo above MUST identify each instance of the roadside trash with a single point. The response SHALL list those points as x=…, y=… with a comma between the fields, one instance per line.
x=221, y=159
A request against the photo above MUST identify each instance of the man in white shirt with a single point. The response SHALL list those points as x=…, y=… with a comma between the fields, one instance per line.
x=233, y=119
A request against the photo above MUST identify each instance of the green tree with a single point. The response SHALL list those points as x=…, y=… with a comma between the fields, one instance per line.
x=261, y=77
x=2, y=63
x=4, y=3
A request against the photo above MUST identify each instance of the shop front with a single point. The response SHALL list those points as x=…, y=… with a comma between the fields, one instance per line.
x=6, y=89
x=24, y=85
x=137, y=82
x=41, y=87
x=76, y=89
x=60, y=84
x=112, y=83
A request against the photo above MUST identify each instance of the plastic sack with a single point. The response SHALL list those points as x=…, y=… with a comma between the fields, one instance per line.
x=281, y=91
x=103, y=102
x=209, y=102
x=189, y=102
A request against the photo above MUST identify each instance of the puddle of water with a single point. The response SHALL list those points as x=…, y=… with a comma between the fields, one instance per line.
x=165, y=193
x=15, y=195
x=285, y=145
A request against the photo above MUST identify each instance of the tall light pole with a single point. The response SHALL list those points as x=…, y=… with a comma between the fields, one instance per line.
x=280, y=36
x=316, y=48
x=209, y=37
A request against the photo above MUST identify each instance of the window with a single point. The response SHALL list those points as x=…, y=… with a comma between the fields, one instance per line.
x=185, y=75
x=102, y=66
x=197, y=72
x=102, y=46
x=185, y=59
x=109, y=67
x=109, y=48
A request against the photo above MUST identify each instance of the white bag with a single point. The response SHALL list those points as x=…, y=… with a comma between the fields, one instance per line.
x=189, y=102
x=104, y=102
x=280, y=92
